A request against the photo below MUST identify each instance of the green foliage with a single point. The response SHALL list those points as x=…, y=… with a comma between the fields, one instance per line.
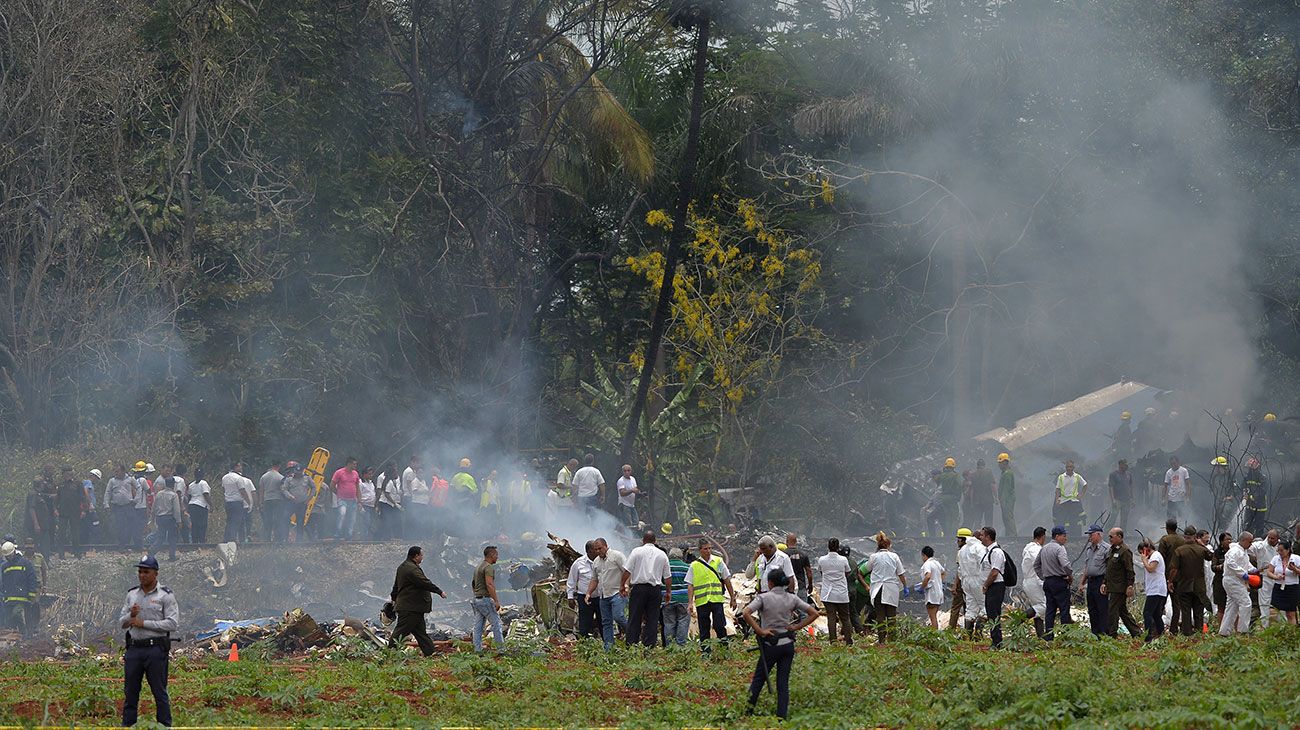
x=675, y=440
x=921, y=678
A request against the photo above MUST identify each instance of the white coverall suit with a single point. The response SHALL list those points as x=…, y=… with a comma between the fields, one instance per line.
x=1029, y=580
x=969, y=558
x=1236, y=611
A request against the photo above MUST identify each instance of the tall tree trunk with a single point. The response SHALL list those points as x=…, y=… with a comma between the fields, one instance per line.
x=685, y=193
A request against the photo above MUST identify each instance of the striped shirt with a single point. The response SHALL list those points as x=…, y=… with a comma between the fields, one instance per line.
x=678, y=570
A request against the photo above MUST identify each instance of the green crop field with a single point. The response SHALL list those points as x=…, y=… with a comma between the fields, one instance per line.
x=922, y=679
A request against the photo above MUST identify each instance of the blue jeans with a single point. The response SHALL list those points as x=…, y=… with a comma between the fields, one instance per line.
x=630, y=516
x=612, y=610
x=347, y=520
x=677, y=623
x=485, y=612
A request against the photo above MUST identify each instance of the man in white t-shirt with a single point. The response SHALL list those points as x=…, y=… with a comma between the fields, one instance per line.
x=995, y=587
x=1177, y=494
x=627, y=494
x=588, y=486
x=932, y=574
x=834, y=590
x=237, y=500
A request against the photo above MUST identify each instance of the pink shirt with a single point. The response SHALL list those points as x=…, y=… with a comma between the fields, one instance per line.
x=346, y=480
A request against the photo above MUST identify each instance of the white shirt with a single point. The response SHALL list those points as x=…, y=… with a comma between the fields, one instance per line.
x=198, y=492
x=1027, y=559
x=995, y=558
x=414, y=487
x=1176, y=481
x=1068, y=486
x=647, y=564
x=885, y=568
x=1235, y=563
x=1291, y=578
x=579, y=576
x=608, y=573
x=835, y=581
x=1263, y=553
x=120, y=492
x=141, y=493
x=587, y=482
x=628, y=500
x=763, y=566
x=1155, y=583
x=251, y=487
x=933, y=589
x=231, y=483
x=366, y=493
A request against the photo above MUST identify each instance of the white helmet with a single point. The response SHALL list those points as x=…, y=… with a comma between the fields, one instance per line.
x=7, y=549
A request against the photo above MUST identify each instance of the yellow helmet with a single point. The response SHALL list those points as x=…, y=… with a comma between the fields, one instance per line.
x=781, y=546
x=666, y=528
x=964, y=532
x=1004, y=457
x=1269, y=418
x=1219, y=461
x=950, y=462
x=466, y=463
x=140, y=466
x=694, y=522
x=1125, y=416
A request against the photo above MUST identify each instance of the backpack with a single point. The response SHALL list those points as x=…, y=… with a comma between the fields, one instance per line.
x=1010, y=573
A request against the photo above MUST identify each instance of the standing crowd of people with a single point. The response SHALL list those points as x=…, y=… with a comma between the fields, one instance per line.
x=141, y=506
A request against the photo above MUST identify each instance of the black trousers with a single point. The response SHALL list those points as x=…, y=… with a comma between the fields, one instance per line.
x=711, y=618
x=781, y=657
x=169, y=531
x=123, y=523
x=883, y=616
x=643, y=604
x=1098, y=606
x=1153, y=615
x=70, y=534
x=274, y=521
x=1191, y=612
x=198, y=523
x=993, y=599
x=1058, y=602
x=589, y=618
x=411, y=623
x=235, y=517
x=1118, y=611
x=299, y=511
x=390, y=522
x=140, y=663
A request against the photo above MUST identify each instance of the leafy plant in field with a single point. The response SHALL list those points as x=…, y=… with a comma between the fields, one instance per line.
x=669, y=441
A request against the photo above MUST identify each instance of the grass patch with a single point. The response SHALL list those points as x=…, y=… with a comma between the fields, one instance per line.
x=921, y=679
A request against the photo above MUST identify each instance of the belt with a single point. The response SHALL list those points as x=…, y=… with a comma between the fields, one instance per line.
x=143, y=643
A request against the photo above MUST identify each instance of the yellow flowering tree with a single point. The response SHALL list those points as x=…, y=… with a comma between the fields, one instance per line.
x=743, y=294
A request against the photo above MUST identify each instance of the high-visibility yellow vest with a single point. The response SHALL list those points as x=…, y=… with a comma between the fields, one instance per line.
x=706, y=581
x=1061, y=482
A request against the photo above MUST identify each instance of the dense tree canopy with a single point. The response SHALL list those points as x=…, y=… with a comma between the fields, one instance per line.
x=265, y=225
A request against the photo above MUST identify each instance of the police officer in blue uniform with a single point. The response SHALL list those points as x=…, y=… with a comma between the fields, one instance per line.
x=149, y=616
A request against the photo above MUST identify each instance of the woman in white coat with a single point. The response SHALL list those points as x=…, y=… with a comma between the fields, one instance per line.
x=886, y=583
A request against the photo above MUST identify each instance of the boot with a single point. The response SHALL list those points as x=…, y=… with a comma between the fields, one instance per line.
x=1038, y=627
